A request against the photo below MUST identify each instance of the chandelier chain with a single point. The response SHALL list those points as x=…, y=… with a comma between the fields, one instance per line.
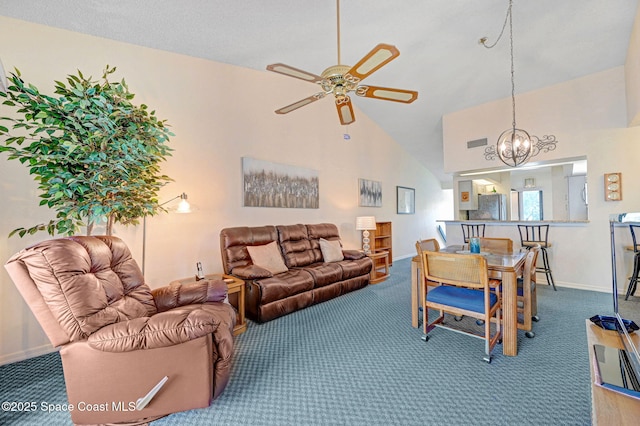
x=513, y=84
x=483, y=41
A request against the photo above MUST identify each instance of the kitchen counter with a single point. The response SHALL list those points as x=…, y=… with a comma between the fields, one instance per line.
x=517, y=222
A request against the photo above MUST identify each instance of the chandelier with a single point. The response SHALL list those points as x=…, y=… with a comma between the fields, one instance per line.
x=514, y=145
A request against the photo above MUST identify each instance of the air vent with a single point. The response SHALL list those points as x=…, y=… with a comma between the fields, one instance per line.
x=478, y=142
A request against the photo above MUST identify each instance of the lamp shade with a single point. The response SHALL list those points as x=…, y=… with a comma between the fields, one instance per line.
x=365, y=223
x=183, y=206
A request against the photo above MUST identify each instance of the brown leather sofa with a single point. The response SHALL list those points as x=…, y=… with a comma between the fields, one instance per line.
x=117, y=337
x=308, y=280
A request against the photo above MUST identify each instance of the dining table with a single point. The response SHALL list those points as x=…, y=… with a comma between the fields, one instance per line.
x=506, y=266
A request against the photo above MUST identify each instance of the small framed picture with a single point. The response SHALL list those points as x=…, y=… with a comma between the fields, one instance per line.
x=406, y=200
x=370, y=193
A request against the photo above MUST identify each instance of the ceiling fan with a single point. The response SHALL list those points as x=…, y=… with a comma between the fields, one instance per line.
x=340, y=80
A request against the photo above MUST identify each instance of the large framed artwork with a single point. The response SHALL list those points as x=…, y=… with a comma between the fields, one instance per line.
x=267, y=184
x=406, y=200
x=370, y=193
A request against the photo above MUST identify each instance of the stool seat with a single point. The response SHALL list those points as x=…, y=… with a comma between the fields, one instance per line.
x=533, y=243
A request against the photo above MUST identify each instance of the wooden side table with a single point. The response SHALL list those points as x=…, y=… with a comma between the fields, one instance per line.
x=380, y=270
x=609, y=407
x=235, y=292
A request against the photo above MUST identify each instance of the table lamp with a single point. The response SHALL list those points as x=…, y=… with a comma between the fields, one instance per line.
x=365, y=224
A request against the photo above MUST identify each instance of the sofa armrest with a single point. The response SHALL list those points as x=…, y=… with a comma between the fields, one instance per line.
x=352, y=254
x=251, y=272
x=161, y=330
x=202, y=291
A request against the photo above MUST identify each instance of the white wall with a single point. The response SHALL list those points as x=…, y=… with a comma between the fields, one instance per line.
x=588, y=117
x=632, y=74
x=572, y=111
x=219, y=114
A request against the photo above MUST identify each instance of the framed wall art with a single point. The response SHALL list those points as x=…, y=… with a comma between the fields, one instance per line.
x=267, y=184
x=406, y=200
x=370, y=192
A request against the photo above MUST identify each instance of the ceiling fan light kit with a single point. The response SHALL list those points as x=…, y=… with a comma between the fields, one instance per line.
x=340, y=80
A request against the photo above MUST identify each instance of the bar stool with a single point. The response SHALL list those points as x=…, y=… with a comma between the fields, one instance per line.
x=469, y=231
x=633, y=280
x=531, y=235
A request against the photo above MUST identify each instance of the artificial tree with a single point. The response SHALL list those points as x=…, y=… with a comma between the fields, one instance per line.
x=94, y=154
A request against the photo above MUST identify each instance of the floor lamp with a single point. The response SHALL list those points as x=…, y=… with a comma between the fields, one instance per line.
x=183, y=207
x=365, y=224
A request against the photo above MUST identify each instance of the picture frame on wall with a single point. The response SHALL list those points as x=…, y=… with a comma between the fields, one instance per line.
x=406, y=200
x=370, y=193
x=268, y=184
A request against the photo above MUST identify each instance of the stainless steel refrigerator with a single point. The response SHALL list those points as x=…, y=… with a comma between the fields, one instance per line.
x=490, y=207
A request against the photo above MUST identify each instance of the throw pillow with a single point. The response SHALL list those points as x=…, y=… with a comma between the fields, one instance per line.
x=331, y=250
x=268, y=256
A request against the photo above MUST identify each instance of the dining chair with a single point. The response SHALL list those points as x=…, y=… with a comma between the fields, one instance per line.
x=527, y=295
x=463, y=290
x=531, y=235
x=633, y=280
x=499, y=245
x=430, y=244
x=472, y=230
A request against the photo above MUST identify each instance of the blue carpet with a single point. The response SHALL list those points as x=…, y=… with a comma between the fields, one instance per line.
x=356, y=360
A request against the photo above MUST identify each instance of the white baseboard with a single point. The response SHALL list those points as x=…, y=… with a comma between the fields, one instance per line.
x=541, y=281
x=30, y=353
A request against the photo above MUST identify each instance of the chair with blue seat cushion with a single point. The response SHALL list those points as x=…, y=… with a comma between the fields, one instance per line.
x=464, y=290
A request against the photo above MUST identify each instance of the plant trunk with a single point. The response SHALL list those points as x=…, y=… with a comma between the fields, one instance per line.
x=90, y=228
x=110, y=221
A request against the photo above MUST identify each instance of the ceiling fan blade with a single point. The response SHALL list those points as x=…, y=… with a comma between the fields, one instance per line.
x=294, y=72
x=300, y=103
x=387, y=94
x=345, y=110
x=379, y=56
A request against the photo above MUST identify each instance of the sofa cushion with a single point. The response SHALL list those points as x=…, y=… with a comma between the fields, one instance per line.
x=355, y=268
x=234, y=242
x=268, y=257
x=326, y=231
x=296, y=247
x=331, y=250
x=325, y=273
x=251, y=272
x=284, y=285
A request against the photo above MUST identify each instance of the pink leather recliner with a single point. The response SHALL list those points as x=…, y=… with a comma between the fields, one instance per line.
x=118, y=338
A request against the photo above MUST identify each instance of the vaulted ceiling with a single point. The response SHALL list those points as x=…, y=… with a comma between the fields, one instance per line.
x=554, y=41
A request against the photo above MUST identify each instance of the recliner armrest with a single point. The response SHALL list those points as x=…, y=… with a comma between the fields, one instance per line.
x=161, y=330
x=175, y=295
x=352, y=254
x=251, y=272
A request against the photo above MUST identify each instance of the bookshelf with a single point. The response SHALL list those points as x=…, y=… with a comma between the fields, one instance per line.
x=381, y=240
